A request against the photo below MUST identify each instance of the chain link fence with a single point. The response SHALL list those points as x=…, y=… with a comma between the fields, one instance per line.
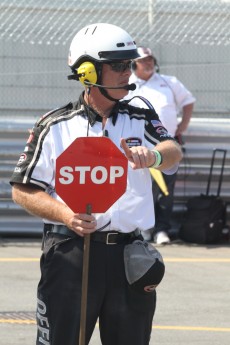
x=190, y=38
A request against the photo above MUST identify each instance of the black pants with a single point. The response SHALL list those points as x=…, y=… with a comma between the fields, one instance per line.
x=59, y=295
x=164, y=203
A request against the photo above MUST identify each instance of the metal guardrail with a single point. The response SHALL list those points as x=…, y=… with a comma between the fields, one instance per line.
x=201, y=138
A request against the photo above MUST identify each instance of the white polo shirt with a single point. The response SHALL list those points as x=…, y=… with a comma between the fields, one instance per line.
x=167, y=95
x=58, y=129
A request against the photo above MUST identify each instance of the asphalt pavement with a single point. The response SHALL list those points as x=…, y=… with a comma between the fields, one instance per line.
x=193, y=299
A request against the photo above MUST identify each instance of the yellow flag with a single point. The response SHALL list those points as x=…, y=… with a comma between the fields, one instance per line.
x=158, y=177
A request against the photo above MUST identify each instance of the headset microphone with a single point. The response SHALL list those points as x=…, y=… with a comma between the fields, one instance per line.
x=131, y=87
x=73, y=76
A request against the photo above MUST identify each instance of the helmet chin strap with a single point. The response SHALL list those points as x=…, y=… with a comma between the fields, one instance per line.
x=104, y=92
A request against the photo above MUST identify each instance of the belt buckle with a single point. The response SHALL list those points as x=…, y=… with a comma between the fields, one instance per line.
x=107, y=237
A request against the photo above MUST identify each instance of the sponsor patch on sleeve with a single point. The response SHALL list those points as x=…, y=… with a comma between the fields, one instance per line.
x=160, y=129
x=22, y=159
x=156, y=123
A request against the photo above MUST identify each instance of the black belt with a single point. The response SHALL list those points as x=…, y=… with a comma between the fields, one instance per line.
x=107, y=237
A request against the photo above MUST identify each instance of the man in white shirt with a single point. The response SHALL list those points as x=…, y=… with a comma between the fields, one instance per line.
x=169, y=97
x=100, y=58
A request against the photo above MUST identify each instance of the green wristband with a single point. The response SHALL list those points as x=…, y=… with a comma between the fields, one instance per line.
x=158, y=159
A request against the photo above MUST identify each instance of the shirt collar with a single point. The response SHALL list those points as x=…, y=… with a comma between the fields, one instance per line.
x=93, y=116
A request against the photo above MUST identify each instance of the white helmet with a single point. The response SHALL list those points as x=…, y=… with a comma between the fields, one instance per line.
x=101, y=42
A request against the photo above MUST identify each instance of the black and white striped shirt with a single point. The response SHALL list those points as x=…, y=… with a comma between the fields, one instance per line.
x=55, y=131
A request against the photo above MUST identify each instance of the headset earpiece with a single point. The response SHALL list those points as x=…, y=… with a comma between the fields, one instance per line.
x=87, y=72
x=157, y=68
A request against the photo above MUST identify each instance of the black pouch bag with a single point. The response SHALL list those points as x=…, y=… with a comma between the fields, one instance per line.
x=205, y=217
x=204, y=220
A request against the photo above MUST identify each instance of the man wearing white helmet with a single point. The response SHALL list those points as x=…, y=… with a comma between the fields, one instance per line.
x=169, y=97
x=100, y=58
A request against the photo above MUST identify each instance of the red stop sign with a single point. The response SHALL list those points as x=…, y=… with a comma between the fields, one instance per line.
x=91, y=171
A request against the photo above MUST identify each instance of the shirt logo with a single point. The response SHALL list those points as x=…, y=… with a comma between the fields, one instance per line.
x=161, y=130
x=17, y=170
x=22, y=159
x=134, y=141
x=156, y=123
x=150, y=288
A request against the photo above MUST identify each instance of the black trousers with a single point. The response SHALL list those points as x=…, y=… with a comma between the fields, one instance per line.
x=59, y=295
x=164, y=203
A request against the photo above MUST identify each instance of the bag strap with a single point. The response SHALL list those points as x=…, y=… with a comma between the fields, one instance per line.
x=221, y=170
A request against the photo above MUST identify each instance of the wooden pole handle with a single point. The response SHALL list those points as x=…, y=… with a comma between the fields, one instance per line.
x=84, y=292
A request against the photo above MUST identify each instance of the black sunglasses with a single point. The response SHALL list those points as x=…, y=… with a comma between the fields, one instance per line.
x=120, y=66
